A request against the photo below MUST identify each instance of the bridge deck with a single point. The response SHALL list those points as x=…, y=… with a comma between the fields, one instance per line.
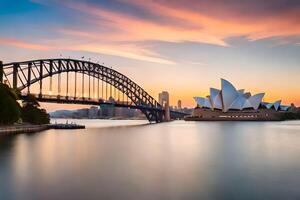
x=97, y=102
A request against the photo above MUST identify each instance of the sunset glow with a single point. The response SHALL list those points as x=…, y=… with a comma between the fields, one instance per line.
x=176, y=46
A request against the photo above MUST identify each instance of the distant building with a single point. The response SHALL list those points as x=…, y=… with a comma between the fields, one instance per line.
x=294, y=109
x=179, y=105
x=119, y=112
x=163, y=98
x=107, y=111
x=93, y=112
x=82, y=113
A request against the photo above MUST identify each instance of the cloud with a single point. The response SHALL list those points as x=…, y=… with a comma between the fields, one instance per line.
x=23, y=44
x=202, y=27
x=127, y=51
x=228, y=22
x=116, y=31
x=126, y=27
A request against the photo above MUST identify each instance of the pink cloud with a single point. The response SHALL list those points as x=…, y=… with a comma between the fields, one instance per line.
x=119, y=33
x=127, y=51
x=23, y=44
x=129, y=28
x=219, y=28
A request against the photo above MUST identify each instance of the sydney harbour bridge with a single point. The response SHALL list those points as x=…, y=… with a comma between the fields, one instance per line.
x=73, y=81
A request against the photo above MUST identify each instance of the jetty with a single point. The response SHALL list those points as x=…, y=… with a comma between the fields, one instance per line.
x=66, y=126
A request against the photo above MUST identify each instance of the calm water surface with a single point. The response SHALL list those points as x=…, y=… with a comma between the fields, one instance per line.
x=176, y=160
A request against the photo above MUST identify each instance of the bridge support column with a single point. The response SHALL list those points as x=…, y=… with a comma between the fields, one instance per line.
x=41, y=78
x=68, y=68
x=167, y=116
x=59, y=79
x=50, y=74
x=1, y=71
x=15, y=75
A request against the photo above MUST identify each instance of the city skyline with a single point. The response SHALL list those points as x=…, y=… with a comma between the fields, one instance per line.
x=165, y=45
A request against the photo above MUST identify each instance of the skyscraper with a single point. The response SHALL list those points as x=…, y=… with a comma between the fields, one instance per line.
x=179, y=104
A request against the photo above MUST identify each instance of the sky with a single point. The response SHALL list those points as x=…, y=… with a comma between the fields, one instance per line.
x=183, y=47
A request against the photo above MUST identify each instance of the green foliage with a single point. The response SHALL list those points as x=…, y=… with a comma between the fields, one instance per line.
x=1, y=72
x=30, y=100
x=31, y=112
x=10, y=111
x=35, y=115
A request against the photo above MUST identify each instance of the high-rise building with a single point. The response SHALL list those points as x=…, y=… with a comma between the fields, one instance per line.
x=179, y=105
x=163, y=98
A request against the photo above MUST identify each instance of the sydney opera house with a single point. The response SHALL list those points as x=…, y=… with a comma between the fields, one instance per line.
x=232, y=104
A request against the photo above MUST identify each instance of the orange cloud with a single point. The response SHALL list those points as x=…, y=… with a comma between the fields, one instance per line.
x=181, y=23
x=128, y=51
x=130, y=28
x=117, y=33
x=22, y=44
x=283, y=24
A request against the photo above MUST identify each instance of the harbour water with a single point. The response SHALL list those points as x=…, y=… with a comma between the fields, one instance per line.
x=133, y=160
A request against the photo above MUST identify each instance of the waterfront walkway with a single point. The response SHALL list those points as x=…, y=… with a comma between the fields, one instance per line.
x=24, y=128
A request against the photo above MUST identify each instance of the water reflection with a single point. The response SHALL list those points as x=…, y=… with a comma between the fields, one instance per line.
x=177, y=160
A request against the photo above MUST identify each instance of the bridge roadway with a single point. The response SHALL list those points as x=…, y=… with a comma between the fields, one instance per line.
x=99, y=102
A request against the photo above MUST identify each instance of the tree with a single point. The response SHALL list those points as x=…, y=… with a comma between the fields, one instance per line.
x=1, y=72
x=30, y=100
x=10, y=111
x=32, y=113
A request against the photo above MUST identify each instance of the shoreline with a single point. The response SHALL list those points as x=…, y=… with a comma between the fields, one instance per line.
x=19, y=129
x=232, y=120
x=116, y=118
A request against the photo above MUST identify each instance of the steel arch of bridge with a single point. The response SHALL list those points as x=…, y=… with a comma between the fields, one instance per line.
x=21, y=75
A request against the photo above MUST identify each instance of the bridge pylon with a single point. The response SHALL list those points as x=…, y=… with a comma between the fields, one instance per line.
x=167, y=116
